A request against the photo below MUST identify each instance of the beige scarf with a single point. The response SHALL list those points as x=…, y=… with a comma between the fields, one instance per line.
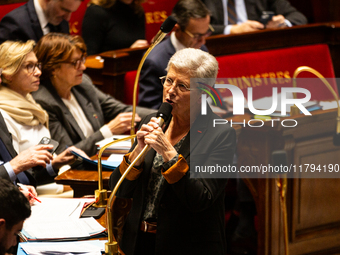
x=24, y=110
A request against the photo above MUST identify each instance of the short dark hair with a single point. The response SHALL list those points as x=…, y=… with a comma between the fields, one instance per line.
x=55, y=48
x=14, y=205
x=184, y=10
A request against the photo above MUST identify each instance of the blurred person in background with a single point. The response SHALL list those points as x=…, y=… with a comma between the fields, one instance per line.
x=36, y=18
x=240, y=16
x=113, y=24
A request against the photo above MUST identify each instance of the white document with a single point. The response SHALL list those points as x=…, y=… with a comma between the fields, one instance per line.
x=57, y=218
x=125, y=145
x=63, y=248
x=116, y=157
x=55, y=229
x=53, y=208
x=329, y=104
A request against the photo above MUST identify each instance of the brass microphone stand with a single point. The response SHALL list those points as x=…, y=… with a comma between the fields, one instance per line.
x=100, y=193
x=160, y=36
x=111, y=247
x=281, y=184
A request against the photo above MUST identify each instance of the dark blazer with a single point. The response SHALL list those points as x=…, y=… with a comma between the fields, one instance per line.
x=99, y=108
x=114, y=28
x=191, y=212
x=254, y=10
x=37, y=175
x=7, y=140
x=23, y=24
x=150, y=86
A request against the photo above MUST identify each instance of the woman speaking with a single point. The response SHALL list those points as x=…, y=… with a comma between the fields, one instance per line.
x=175, y=210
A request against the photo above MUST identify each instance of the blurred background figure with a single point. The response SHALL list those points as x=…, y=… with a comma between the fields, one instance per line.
x=239, y=16
x=114, y=24
x=193, y=19
x=37, y=18
x=78, y=111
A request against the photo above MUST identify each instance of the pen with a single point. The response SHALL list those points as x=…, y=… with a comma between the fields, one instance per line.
x=24, y=188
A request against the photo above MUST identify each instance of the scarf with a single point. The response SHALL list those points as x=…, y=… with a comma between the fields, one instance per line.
x=23, y=110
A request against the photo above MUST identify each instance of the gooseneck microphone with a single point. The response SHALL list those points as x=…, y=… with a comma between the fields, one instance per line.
x=166, y=27
x=336, y=137
x=111, y=246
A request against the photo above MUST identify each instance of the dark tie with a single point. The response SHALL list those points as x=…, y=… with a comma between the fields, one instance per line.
x=54, y=28
x=6, y=157
x=232, y=16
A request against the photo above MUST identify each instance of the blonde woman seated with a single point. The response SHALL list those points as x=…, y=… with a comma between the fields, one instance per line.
x=26, y=121
x=78, y=111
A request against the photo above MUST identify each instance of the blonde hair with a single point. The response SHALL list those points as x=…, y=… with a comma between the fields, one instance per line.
x=12, y=55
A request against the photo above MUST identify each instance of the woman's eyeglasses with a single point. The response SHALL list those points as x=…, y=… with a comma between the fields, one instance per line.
x=77, y=63
x=30, y=67
x=168, y=82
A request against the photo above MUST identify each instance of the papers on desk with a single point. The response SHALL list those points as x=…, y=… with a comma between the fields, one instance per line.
x=92, y=247
x=57, y=219
x=329, y=105
x=120, y=147
x=93, y=164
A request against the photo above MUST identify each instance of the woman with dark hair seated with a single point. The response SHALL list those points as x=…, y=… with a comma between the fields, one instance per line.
x=77, y=110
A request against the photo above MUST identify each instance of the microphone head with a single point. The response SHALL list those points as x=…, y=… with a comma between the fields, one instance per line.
x=168, y=24
x=164, y=111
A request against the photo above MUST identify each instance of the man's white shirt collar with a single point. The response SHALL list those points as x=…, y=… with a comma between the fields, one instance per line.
x=41, y=16
x=176, y=43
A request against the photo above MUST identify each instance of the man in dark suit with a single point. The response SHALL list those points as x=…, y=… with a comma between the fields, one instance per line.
x=248, y=15
x=37, y=18
x=193, y=19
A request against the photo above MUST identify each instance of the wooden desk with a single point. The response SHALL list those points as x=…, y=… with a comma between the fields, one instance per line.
x=110, y=78
x=312, y=204
x=83, y=182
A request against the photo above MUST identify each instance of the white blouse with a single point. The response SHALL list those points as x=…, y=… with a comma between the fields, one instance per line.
x=24, y=136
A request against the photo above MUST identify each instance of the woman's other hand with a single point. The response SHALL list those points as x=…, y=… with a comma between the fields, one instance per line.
x=122, y=123
x=139, y=44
